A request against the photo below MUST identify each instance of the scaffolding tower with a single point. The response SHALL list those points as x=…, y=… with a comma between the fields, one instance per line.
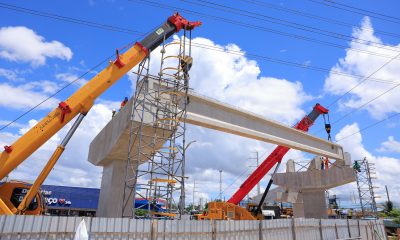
x=365, y=171
x=155, y=170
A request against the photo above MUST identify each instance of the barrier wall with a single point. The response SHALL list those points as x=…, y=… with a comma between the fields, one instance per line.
x=52, y=227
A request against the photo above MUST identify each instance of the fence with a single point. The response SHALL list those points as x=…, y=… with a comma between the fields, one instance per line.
x=52, y=227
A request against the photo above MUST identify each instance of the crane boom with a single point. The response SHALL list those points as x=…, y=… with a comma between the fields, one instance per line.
x=275, y=157
x=79, y=103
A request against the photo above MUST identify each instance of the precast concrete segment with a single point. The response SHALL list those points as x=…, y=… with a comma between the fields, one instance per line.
x=210, y=113
x=112, y=142
x=323, y=179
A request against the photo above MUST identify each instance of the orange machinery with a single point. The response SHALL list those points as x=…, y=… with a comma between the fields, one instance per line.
x=78, y=104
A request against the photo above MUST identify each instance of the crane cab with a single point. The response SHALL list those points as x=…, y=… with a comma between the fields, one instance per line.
x=12, y=194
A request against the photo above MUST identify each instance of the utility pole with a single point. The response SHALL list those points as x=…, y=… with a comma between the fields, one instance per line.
x=220, y=185
x=258, y=184
x=194, y=191
x=387, y=193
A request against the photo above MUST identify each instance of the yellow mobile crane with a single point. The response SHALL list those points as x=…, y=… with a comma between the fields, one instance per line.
x=16, y=197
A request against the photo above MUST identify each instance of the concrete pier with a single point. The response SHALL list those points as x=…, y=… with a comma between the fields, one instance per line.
x=306, y=190
x=110, y=147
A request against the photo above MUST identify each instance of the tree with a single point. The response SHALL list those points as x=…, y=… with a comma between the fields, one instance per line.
x=388, y=207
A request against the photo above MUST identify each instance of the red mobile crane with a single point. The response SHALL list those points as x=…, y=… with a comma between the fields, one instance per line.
x=230, y=209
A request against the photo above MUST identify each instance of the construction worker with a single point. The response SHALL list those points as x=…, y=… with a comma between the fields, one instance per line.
x=356, y=166
x=350, y=214
x=326, y=163
x=113, y=113
x=123, y=103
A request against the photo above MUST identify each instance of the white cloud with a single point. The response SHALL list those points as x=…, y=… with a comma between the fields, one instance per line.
x=8, y=74
x=386, y=168
x=364, y=64
x=236, y=80
x=391, y=145
x=21, y=44
x=70, y=77
x=27, y=95
x=73, y=168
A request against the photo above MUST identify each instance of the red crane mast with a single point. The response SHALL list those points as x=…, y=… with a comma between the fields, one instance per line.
x=275, y=157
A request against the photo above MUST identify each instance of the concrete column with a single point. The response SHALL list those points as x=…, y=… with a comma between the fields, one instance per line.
x=112, y=191
x=312, y=206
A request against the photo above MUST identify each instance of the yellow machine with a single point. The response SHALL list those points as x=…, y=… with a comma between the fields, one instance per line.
x=78, y=104
x=226, y=210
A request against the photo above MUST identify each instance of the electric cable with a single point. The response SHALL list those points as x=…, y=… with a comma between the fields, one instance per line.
x=279, y=21
x=364, y=79
x=130, y=31
x=356, y=11
x=369, y=126
x=261, y=28
x=54, y=94
x=69, y=19
x=297, y=64
x=316, y=17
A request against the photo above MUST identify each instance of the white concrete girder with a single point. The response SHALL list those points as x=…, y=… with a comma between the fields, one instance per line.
x=209, y=113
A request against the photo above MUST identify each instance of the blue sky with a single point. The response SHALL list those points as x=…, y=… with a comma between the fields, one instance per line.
x=68, y=50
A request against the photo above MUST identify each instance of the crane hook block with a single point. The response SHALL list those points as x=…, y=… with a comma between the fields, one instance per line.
x=65, y=109
x=8, y=149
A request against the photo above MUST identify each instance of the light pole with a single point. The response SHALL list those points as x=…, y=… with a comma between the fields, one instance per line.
x=220, y=185
x=182, y=200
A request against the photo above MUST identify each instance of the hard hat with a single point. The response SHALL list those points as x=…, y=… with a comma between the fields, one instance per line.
x=126, y=99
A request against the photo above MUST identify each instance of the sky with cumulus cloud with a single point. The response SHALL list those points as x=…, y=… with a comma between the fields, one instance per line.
x=38, y=56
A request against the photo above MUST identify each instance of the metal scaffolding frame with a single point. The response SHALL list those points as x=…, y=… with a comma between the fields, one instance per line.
x=365, y=188
x=155, y=170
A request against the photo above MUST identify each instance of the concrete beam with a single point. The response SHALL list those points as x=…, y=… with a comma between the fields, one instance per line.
x=210, y=113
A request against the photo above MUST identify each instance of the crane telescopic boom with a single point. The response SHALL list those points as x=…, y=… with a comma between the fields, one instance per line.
x=80, y=102
x=275, y=157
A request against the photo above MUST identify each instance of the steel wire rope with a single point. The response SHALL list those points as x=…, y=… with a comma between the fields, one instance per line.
x=258, y=27
x=280, y=61
x=244, y=172
x=109, y=27
x=283, y=22
x=68, y=84
x=54, y=94
x=285, y=62
x=130, y=31
x=357, y=11
x=369, y=101
x=317, y=17
x=68, y=19
x=369, y=126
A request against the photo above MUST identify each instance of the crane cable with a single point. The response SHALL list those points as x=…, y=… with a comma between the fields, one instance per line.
x=74, y=81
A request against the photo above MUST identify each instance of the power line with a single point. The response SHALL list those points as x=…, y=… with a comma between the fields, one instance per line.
x=109, y=27
x=134, y=32
x=317, y=17
x=57, y=92
x=283, y=22
x=129, y=31
x=369, y=126
x=69, y=19
x=288, y=63
x=365, y=79
x=368, y=102
x=356, y=10
x=261, y=28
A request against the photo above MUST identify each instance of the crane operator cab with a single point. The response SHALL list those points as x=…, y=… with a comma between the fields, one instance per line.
x=12, y=193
